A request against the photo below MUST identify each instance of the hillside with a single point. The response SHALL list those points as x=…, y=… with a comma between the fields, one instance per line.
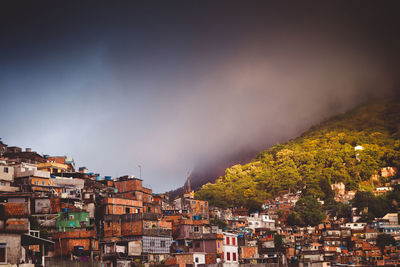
x=323, y=155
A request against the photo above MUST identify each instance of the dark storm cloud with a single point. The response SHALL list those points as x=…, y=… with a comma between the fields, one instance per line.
x=174, y=86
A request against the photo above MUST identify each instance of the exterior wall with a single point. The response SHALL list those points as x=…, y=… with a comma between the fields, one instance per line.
x=6, y=178
x=356, y=226
x=199, y=258
x=66, y=241
x=135, y=248
x=248, y=252
x=119, y=206
x=207, y=245
x=5, y=186
x=28, y=172
x=147, y=197
x=156, y=244
x=13, y=249
x=184, y=259
x=183, y=231
x=69, y=182
x=211, y=258
x=230, y=251
x=53, y=167
x=14, y=210
x=70, y=220
x=129, y=228
x=119, y=209
x=129, y=185
x=112, y=228
x=91, y=209
x=42, y=205
x=197, y=207
x=6, y=173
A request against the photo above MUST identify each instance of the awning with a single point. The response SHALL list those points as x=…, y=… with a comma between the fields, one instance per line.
x=27, y=240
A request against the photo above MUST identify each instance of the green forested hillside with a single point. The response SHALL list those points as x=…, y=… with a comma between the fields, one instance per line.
x=323, y=155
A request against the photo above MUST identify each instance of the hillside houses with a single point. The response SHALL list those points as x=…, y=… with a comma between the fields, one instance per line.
x=51, y=212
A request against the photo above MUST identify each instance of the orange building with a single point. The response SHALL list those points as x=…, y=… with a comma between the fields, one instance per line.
x=67, y=242
x=119, y=206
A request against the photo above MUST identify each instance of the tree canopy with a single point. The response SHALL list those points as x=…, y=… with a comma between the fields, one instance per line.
x=323, y=155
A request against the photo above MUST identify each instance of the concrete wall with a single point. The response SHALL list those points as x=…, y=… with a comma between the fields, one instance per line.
x=6, y=173
x=13, y=241
x=42, y=205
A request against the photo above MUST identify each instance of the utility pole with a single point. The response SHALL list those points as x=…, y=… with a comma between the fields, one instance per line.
x=188, y=182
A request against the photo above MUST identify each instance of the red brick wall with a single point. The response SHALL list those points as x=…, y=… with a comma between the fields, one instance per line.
x=248, y=252
x=15, y=209
x=112, y=228
x=55, y=205
x=66, y=246
x=184, y=259
x=131, y=228
x=74, y=234
x=129, y=185
x=211, y=258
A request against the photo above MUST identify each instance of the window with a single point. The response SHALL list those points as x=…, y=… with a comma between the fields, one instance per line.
x=162, y=244
x=234, y=256
x=227, y=240
x=152, y=243
x=108, y=224
x=36, y=183
x=196, y=229
x=196, y=260
x=3, y=252
x=42, y=183
x=5, y=169
x=197, y=244
x=127, y=210
x=228, y=256
x=233, y=241
x=3, y=183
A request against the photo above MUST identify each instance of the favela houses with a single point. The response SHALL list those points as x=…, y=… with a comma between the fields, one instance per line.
x=53, y=212
x=187, y=133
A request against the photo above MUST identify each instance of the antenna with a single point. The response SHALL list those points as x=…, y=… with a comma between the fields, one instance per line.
x=188, y=182
x=140, y=171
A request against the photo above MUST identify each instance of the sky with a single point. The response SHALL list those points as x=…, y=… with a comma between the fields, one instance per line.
x=177, y=86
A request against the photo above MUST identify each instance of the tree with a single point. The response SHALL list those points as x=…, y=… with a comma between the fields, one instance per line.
x=384, y=240
x=220, y=223
x=278, y=242
x=295, y=219
x=338, y=209
x=309, y=210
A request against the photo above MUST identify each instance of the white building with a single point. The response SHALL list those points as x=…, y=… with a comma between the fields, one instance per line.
x=355, y=225
x=199, y=258
x=260, y=221
x=230, y=249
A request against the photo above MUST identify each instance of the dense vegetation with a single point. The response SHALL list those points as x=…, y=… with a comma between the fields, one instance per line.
x=308, y=211
x=376, y=206
x=323, y=155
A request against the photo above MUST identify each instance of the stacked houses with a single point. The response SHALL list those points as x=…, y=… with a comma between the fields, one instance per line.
x=51, y=214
